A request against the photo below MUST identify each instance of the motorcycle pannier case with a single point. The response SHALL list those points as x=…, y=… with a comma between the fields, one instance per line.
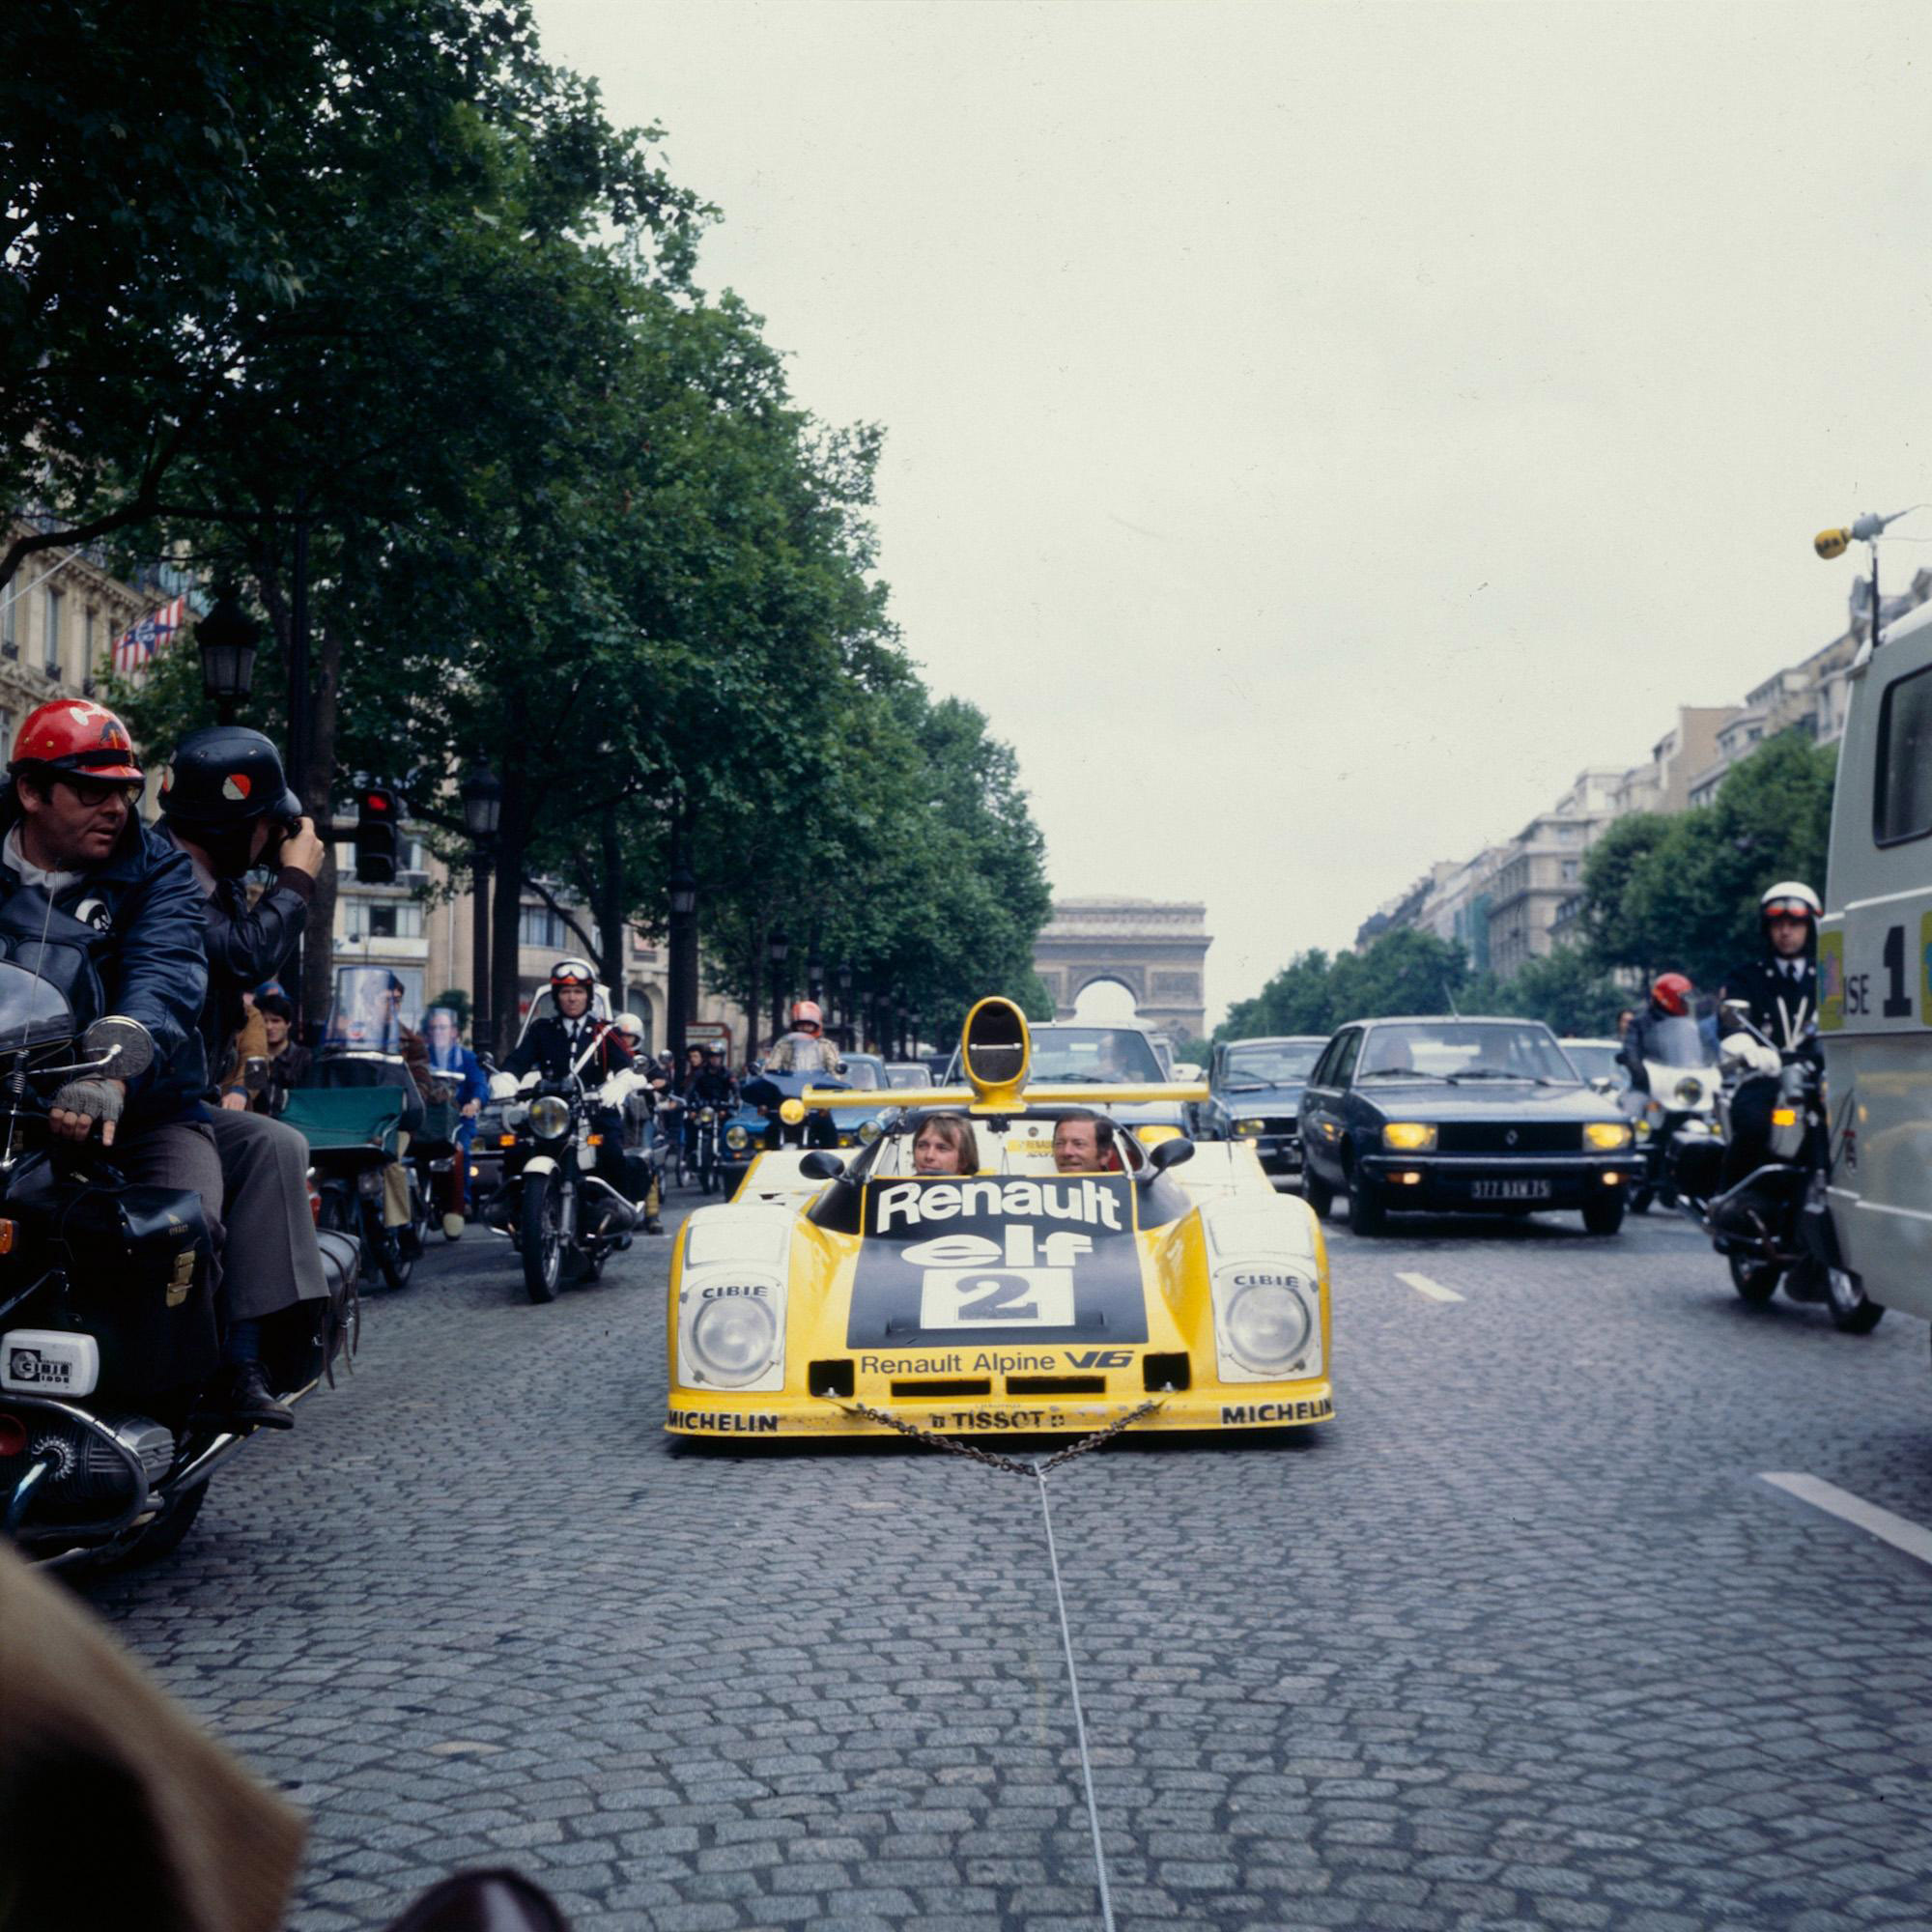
x=136, y=1261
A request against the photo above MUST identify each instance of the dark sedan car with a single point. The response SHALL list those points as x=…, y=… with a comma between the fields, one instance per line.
x=1254, y=1095
x=1460, y=1116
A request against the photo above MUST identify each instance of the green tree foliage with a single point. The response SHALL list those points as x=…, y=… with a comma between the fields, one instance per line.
x=559, y=510
x=1681, y=894
x=1405, y=970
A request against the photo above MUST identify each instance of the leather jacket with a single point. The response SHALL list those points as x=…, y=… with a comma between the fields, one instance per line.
x=126, y=937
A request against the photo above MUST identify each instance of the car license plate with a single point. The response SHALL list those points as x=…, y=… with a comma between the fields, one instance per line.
x=1509, y=1191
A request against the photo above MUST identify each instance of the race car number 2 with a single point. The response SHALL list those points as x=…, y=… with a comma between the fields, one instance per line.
x=962, y=1281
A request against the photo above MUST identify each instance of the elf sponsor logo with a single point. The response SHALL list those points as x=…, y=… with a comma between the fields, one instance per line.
x=911, y=1203
x=731, y=1420
x=1319, y=1409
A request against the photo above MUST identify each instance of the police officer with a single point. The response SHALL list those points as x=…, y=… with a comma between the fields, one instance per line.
x=1781, y=991
x=553, y=1047
x=226, y=804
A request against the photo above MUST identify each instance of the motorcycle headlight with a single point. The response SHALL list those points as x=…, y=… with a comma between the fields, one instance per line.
x=1602, y=1135
x=1264, y=1322
x=733, y=1338
x=704, y=1114
x=549, y=1117
x=1408, y=1136
x=737, y=1139
x=516, y=1114
x=870, y=1131
x=1248, y=1129
x=1691, y=1092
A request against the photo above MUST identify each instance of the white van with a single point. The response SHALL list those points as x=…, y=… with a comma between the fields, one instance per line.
x=1875, y=973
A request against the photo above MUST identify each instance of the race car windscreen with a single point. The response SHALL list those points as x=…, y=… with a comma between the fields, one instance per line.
x=1253, y=1067
x=1453, y=1050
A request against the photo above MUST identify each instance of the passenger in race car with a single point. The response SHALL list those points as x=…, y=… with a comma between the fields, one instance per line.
x=1086, y=1142
x=946, y=1144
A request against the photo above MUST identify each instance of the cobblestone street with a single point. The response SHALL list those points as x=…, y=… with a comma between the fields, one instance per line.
x=1521, y=1639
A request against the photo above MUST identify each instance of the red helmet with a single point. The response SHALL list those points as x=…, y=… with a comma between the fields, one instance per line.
x=73, y=734
x=1671, y=993
x=804, y=1013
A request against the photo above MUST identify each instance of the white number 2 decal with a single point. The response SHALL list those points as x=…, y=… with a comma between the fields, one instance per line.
x=968, y=1298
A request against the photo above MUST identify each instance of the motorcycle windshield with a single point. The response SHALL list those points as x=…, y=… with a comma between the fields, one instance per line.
x=368, y=1012
x=33, y=1011
x=1678, y=1042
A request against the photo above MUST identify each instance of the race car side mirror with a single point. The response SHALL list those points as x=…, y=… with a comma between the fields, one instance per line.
x=1170, y=1154
x=818, y=1165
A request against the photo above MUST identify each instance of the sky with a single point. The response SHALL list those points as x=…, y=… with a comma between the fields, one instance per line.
x=1314, y=434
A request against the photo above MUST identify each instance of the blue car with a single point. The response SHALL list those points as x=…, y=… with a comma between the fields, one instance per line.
x=754, y=1127
x=1254, y=1095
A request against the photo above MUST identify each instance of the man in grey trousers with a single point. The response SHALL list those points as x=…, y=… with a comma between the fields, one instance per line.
x=226, y=804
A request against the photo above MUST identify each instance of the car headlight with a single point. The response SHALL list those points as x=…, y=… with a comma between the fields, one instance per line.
x=549, y=1117
x=1605, y=1134
x=737, y=1139
x=1264, y=1323
x=1410, y=1136
x=733, y=1338
x=1691, y=1092
x=1248, y=1129
x=516, y=1114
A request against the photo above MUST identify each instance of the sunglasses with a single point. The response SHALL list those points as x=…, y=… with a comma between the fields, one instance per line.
x=93, y=793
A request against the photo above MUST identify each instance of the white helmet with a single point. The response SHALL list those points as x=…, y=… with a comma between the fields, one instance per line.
x=629, y=1025
x=1790, y=898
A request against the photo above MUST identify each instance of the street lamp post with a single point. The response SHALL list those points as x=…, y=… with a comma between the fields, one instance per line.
x=482, y=814
x=843, y=976
x=683, y=990
x=815, y=977
x=226, y=638
x=777, y=950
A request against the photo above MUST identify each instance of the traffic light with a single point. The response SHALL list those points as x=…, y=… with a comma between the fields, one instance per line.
x=379, y=833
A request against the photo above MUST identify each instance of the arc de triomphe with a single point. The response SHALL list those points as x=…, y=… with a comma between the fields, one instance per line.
x=1155, y=948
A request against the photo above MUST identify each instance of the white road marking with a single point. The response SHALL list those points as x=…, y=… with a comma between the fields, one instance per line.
x=1435, y=1290
x=1901, y=1532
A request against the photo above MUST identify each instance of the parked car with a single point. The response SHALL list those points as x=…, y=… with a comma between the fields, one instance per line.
x=1254, y=1095
x=1465, y=1115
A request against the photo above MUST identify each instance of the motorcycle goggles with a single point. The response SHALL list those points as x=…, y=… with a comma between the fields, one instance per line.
x=571, y=972
x=1789, y=909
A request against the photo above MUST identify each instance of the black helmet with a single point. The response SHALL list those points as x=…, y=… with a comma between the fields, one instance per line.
x=223, y=777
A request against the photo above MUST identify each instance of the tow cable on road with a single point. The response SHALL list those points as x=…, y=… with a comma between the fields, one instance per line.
x=1036, y=1472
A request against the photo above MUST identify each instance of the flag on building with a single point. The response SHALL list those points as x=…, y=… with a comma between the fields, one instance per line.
x=139, y=642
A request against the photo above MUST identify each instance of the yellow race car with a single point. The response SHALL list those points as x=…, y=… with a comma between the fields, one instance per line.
x=834, y=1295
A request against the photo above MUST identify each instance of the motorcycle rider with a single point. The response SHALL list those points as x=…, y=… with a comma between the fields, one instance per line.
x=1781, y=991
x=227, y=807
x=121, y=920
x=804, y=1049
x=1670, y=1000
x=552, y=1047
x=638, y=1105
x=451, y=1059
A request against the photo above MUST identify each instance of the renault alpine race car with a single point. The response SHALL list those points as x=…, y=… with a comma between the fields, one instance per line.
x=1014, y=1300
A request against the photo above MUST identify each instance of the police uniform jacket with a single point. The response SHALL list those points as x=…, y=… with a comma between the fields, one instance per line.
x=553, y=1045
x=1783, y=1002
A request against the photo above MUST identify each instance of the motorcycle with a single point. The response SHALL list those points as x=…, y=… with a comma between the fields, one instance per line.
x=1681, y=1072
x=563, y=1217
x=107, y=1324
x=1774, y=1227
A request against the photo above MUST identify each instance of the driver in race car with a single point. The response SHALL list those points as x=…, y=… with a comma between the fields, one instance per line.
x=1086, y=1142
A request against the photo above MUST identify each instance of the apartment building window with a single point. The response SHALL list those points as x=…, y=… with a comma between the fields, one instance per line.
x=10, y=623
x=382, y=919
x=56, y=599
x=90, y=633
x=1572, y=868
x=538, y=926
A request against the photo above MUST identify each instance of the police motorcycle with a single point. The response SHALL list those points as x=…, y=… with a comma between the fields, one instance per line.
x=363, y=1113
x=565, y=1219
x=1774, y=1226
x=1680, y=1067
x=107, y=1324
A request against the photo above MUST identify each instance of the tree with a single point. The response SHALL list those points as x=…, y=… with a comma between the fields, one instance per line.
x=1566, y=989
